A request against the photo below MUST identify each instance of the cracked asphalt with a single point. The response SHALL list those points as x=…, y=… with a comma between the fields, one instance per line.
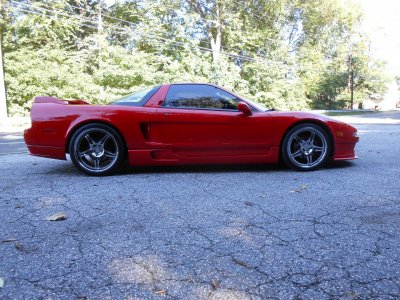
x=220, y=232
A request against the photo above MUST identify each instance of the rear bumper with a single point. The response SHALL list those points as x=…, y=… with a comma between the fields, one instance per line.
x=49, y=152
x=43, y=151
x=29, y=136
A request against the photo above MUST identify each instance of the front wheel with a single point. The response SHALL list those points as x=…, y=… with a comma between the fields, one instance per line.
x=306, y=147
x=96, y=149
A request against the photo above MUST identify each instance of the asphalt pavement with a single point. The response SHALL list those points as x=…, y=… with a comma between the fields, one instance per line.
x=207, y=232
x=12, y=142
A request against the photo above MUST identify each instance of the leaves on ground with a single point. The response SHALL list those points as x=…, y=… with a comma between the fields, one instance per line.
x=302, y=188
x=25, y=248
x=19, y=247
x=57, y=217
x=161, y=292
x=215, y=284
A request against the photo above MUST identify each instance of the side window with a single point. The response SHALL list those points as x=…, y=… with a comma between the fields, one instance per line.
x=199, y=96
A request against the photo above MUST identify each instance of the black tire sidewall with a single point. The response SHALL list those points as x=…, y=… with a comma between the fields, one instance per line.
x=285, y=155
x=110, y=130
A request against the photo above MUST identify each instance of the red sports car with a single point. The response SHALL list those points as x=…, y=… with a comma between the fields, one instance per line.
x=187, y=123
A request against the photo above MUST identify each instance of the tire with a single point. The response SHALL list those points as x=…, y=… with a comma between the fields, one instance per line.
x=96, y=149
x=306, y=147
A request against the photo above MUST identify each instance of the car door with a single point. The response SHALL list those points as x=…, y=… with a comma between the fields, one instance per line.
x=200, y=120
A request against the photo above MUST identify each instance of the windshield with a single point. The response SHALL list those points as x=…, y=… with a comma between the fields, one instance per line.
x=137, y=98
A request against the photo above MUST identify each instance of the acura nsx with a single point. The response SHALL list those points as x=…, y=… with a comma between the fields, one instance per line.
x=175, y=124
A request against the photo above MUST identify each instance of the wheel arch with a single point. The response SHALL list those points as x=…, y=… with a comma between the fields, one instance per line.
x=76, y=127
x=319, y=123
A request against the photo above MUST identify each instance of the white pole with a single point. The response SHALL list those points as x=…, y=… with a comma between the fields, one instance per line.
x=3, y=97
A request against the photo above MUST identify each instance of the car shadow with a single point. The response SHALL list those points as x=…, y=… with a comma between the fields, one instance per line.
x=204, y=169
x=67, y=168
x=254, y=168
x=340, y=164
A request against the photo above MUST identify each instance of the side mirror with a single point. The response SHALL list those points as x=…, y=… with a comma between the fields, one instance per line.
x=244, y=108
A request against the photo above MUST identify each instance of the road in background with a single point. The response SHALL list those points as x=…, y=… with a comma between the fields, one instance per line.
x=220, y=232
x=12, y=142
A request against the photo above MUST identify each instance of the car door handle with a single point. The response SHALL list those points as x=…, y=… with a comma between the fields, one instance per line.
x=166, y=114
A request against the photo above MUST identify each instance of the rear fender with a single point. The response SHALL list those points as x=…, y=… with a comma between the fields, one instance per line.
x=79, y=122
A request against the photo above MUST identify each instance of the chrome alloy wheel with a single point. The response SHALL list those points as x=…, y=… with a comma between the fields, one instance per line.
x=96, y=150
x=307, y=147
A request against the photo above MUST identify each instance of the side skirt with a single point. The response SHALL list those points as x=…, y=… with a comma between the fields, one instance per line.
x=165, y=157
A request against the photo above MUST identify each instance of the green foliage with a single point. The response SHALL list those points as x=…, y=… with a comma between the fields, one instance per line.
x=290, y=54
x=44, y=71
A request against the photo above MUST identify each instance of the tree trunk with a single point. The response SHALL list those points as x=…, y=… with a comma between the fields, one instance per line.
x=216, y=41
x=350, y=81
x=352, y=89
x=214, y=38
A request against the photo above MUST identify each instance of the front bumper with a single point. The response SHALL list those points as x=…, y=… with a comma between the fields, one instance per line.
x=345, y=151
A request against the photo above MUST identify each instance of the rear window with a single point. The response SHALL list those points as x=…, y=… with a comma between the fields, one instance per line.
x=138, y=98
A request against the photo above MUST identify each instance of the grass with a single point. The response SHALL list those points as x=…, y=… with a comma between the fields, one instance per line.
x=349, y=112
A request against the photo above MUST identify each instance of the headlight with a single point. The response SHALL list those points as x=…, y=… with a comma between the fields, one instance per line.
x=355, y=134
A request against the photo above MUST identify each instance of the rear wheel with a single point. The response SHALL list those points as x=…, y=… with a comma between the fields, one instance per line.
x=96, y=149
x=306, y=147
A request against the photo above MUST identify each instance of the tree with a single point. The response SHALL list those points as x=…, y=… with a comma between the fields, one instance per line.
x=287, y=54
